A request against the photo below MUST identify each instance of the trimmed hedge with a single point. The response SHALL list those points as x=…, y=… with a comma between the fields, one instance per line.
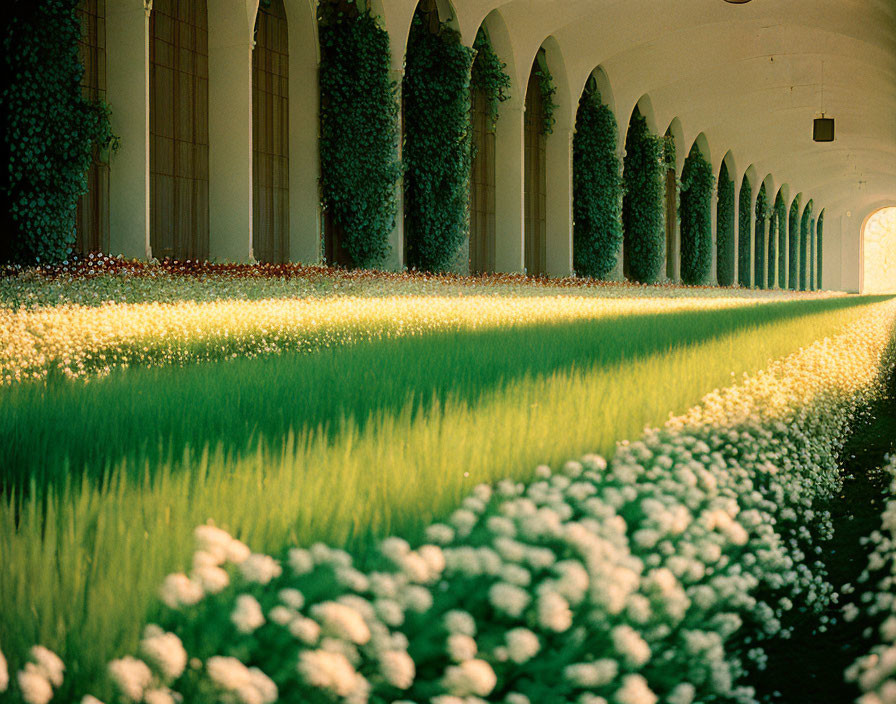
x=50, y=131
x=697, y=182
x=725, y=229
x=804, y=246
x=794, y=244
x=438, y=151
x=359, y=136
x=596, y=188
x=781, y=218
x=643, y=220
x=744, y=228
x=760, y=225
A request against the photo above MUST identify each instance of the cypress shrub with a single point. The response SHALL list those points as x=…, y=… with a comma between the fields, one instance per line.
x=744, y=228
x=819, y=249
x=643, y=221
x=725, y=229
x=438, y=144
x=804, y=246
x=359, y=108
x=781, y=218
x=49, y=131
x=596, y=188
x=697, y=182
x=793, y=235
x=759, y=252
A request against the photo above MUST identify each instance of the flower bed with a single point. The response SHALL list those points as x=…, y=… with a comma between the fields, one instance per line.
x=653, y=577
x=875, y=673
x=85, y=320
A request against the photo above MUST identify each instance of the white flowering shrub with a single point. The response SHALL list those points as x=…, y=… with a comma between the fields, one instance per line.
x=875, y=672
x=653, y=578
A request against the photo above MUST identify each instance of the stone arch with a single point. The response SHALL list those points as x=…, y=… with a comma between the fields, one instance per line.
x=605, y=87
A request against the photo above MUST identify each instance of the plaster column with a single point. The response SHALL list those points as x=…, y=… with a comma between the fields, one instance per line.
x=509, y=190
x=558, y=237
x=304, y=150
x=127, y=77
x=617, y=273
x=736, y=234
x=229, y=132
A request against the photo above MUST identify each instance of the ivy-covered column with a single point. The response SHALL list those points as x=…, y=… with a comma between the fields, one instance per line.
x=745, y=233
x=714, y=237
x=127, y=81
x=395, y=259
x=697, y=184
x=229, y=131
x=793, y=245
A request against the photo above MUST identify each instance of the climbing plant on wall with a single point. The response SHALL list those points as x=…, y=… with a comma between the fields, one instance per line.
x=793, y=239
x=760, y=226
x=596, y=187
x=781, y=221
x=772, y=249
x=548, y=90
x=804, y=246
x=725, y=228
x=697, y=182
x=437, y=143
x=819, y=240
x=744, y=228
x=358, y=132
x=489, y=76
x=642, y=204
x=49, y=131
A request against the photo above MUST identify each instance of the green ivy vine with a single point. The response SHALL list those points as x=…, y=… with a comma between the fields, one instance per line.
x=489, y=76
x=50, y=131
x=781, y=219
x=762, y=213
x=437, y=143
x=744, y=228
x=772, y=248
x=725, y=228
x=548, y=90
x=643, y=223
x=359, y=111
x=819, y=225
x=596, y=188
x=810, y=285
x=804, y=246
x=697, y=182
x=794, y=244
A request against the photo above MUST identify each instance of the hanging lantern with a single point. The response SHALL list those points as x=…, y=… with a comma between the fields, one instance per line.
x=823, y=129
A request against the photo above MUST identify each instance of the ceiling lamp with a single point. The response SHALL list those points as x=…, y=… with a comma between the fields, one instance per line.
x=823, y=127
x=737, y=2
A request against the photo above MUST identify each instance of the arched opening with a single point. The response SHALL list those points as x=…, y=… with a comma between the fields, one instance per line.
x=270, y=134
x=178, y=129
x=879, y=246
x=793, y=245
x=92, y=219
x=488, y=84
x=597, y=226
x=760, y=237
x=643, y=202
x=725, y=226
x=744, y=231
x=535, y=170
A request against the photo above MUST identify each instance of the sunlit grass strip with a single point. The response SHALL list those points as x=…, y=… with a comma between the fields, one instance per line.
x=82, y=566
x=80, y=341
x=145, y=414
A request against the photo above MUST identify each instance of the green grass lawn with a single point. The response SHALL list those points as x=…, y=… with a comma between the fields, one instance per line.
x=106, y=480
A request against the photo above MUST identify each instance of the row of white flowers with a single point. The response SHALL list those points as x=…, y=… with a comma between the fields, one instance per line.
x=223, y=317
x=875, y=672
x=654, y=577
